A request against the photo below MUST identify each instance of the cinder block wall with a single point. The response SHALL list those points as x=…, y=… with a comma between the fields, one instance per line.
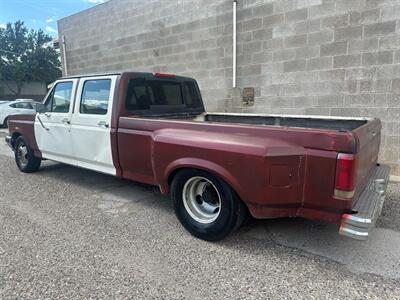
x=302, y=56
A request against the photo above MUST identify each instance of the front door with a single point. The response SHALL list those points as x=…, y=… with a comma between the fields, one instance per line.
x=90, y=124
x=52, y=128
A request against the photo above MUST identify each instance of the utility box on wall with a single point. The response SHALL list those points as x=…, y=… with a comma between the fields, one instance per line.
x=248, y=96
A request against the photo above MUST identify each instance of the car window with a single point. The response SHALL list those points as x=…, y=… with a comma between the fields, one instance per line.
x=137, y=97
x=95, y=97
x=59, y=100
x=165, y=93
x=143, y=94
x=23, y=105
x=192, y=95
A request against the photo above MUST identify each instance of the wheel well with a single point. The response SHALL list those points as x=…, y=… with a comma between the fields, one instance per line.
x=14, y=137
x=176, y=171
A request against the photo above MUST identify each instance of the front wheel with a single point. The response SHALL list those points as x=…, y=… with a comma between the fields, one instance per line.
x=5, y=123
x=26, y=161
x=206, y=205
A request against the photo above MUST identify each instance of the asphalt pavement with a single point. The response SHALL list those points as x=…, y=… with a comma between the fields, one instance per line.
x=72, y=233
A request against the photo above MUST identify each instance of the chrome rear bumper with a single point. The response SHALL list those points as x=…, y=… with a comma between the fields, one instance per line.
x=368, y=206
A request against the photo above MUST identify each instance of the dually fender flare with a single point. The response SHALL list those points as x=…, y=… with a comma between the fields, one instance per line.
x=201, y=164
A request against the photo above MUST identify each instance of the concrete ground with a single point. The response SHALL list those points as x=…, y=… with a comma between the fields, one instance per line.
x=72, y=233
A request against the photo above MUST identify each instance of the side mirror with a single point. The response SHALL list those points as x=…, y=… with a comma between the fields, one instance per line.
x=40, y=108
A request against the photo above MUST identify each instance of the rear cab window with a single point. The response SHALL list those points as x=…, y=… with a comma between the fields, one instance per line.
x=162, y=95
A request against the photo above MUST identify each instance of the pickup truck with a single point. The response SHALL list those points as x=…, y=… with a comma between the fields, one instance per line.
x=218, y=168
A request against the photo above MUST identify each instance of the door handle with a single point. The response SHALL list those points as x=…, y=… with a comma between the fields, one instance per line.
x=102, y=124
x=66, y=121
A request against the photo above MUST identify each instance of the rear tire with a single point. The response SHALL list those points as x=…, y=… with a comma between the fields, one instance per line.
x=206, y=205
x=26, y=161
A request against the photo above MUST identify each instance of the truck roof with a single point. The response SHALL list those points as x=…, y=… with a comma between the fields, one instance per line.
x=91, y=75
x=142, y=74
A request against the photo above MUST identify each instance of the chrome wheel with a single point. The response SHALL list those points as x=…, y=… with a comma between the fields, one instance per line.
x=201, y=200
x=22, y=153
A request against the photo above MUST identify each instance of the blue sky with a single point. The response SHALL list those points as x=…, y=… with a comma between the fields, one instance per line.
x=41, y=13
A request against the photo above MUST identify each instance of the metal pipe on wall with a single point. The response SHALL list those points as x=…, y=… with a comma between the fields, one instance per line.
x=234, y=45
x=64, y=54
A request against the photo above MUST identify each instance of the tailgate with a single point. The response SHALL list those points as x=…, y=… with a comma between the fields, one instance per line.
x=368, y=138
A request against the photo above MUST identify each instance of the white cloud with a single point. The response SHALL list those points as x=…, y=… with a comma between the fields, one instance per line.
x=3, y=26
x=49, y=20
x=34, y=20
x=50, y=29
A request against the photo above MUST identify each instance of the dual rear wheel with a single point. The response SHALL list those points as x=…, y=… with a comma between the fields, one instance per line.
x=206, y=205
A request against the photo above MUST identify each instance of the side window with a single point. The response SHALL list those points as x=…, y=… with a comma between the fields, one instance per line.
x=13, y=105
x=59, y=100
x=191, y=95
x=95, y=97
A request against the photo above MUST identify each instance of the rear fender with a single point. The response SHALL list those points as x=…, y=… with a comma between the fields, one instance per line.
x=201, y=164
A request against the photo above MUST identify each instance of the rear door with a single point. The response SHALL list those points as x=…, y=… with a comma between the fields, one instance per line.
x=54, y=136
x=90, y=124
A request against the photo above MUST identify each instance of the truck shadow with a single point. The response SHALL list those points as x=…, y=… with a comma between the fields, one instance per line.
x=86, y=178
x=108, y=188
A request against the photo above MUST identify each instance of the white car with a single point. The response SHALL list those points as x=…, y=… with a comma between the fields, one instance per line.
x=19, y=106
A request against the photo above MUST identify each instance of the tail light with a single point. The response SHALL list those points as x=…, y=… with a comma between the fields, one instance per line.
x=346, y=169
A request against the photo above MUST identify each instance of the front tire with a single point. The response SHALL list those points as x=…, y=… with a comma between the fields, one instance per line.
x=5, y=123
x=26, y=161
x=206, y=205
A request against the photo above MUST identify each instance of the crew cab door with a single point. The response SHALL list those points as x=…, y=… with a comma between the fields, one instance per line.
x=90, y=124
x=52, y=128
